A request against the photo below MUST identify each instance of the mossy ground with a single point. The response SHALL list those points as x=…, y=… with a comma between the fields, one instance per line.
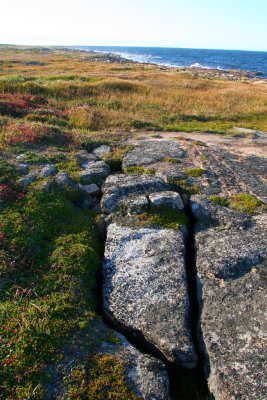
x=243, y=202
x=164, y=217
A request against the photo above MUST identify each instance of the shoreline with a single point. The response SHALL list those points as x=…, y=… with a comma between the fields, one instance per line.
x=230, y=74
x=109, y=57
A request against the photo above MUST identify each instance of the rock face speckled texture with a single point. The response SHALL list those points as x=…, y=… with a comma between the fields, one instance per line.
x=145, y=289
x=118, y=187
x=231, y=266
x=150, y=152
x=94, y=171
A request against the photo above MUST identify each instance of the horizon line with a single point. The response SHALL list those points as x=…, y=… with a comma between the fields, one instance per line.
x=130, y=46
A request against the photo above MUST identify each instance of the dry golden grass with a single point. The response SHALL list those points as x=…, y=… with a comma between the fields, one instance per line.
x=102, y=95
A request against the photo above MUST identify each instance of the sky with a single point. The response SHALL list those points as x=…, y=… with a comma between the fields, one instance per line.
x=210, y=24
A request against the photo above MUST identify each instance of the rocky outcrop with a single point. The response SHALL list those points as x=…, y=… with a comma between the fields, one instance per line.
x=144, y=375
x=150, y=152
x=95, y=171
x=118, y=187
x=231, y=268
x=145, y=290
x=43, y=172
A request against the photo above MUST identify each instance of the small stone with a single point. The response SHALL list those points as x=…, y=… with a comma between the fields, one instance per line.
x=63, y=179
x=168, y=199
x=83, y=158
x=48, y=170
x=120, y=186
x=95, y=171
x=101, y=150
x=92, y=189
x=135, y=204
x=28, y=179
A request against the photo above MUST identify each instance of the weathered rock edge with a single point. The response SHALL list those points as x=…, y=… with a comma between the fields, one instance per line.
x=145, y=290
x=232, y=281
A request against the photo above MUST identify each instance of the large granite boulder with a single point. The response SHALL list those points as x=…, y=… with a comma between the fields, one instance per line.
x=118, y=187
x=150, y=152
x=145, y=290
x=231, y=271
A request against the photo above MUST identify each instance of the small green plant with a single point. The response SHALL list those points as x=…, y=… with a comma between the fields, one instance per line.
x=137, y=169
x=163, y=216
x=171, y=160
x=221, y=201
x=184, y=187
x=194, y=172
x=245, y=203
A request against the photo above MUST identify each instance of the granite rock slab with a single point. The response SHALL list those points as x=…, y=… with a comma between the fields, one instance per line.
x=145, y=290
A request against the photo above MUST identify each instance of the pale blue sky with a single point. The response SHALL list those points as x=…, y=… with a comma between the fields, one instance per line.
x=219, y=24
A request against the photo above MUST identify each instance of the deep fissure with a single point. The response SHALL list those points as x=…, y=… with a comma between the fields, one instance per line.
x=185, y=384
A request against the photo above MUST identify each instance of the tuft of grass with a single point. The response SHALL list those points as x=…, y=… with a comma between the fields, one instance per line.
x=194, y=172
x=115, y=156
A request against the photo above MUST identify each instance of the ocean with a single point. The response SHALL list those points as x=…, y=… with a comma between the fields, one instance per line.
x=254, y=61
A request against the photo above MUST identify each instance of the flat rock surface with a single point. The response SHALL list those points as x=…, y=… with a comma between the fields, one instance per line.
x=120, y=186
x=149, y=152
x=145, y=289
x=231, y=267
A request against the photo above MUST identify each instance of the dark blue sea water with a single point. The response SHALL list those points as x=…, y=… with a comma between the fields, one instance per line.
x=255, y=61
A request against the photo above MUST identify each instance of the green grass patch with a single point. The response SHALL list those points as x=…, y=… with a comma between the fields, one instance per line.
x=107, y=379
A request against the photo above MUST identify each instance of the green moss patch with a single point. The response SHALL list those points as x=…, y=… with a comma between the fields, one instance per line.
x=245, y=203
x=194, y=172
x=138, y=169
x=49, y=263
x=221, y=201
x=164, y=217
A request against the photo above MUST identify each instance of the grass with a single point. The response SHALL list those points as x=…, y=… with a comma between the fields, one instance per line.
x=100, y=96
